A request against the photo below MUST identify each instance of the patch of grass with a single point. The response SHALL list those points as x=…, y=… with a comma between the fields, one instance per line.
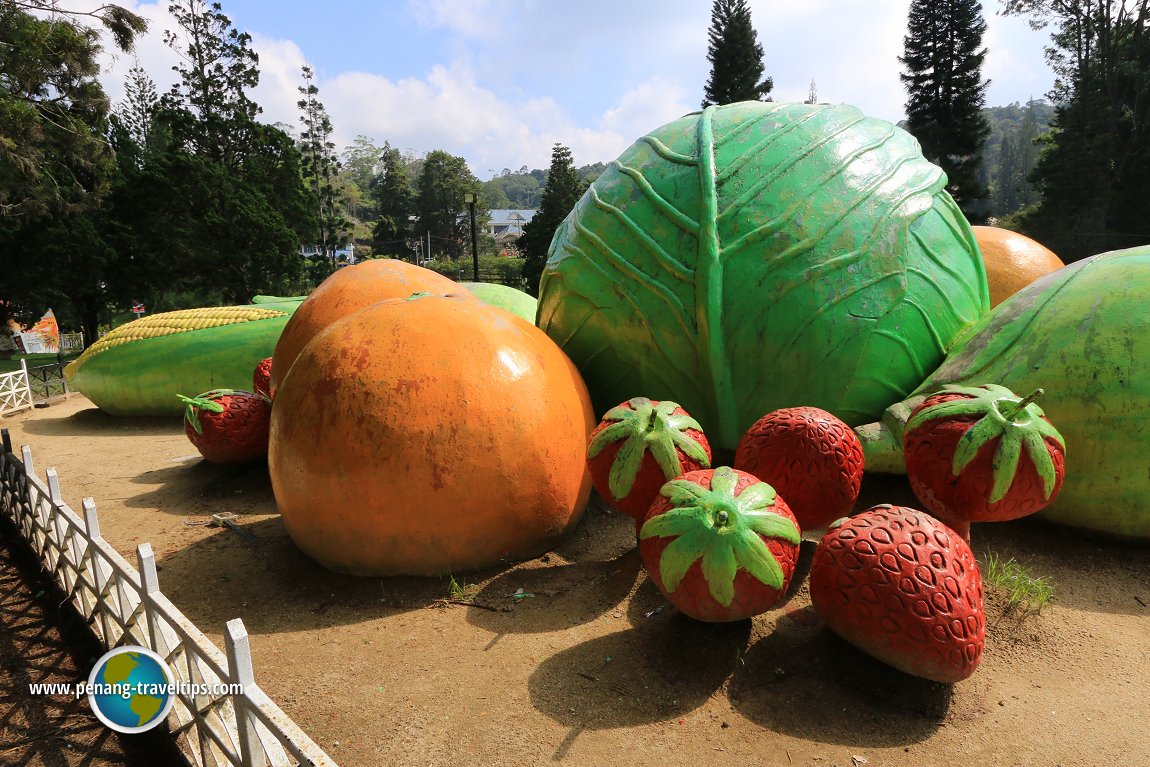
x=1022, y=590
x=461, y=591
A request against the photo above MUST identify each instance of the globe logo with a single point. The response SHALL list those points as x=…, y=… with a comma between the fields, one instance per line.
x=131, y=689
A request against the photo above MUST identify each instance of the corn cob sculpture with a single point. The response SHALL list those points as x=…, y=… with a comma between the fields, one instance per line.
x=140, y=367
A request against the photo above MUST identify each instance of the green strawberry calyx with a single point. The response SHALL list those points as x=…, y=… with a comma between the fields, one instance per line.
x=723, y=529
x=205, y=401
x=1018, y=423
x=642, y=427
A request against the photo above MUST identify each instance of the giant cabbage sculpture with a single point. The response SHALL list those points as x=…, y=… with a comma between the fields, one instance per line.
x=763, y=255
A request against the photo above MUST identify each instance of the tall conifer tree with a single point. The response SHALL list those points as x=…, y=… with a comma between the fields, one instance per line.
x=564, y=188
x=943, y=56
x=736, y=56
x=320, y=167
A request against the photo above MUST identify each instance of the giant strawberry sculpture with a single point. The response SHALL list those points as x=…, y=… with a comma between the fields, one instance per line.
x=262, y=378
x=982, y=454
x=811, y=457
x=904, y=588
x=640, y=445
x=228, y=426
x=720, y=544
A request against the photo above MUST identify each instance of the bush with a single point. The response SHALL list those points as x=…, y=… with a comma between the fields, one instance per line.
x=507, y=271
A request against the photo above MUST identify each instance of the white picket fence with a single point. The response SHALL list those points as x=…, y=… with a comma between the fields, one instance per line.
x=71, y=342
x=125, y=606
x=15, y=391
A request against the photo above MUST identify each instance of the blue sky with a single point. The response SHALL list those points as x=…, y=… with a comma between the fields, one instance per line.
x=500, y=81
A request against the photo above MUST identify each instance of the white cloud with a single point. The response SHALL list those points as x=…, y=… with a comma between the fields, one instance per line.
x=504, y=80
x=154, y=56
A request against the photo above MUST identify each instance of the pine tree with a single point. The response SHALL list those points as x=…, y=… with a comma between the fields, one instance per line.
x=736, y=56
x=136, y=114
x=216, y=70
x=943, y=56
x=563, y=189
x=320, y=167
x=230, y=186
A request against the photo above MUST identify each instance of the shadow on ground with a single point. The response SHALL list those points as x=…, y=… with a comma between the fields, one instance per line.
x=803, y=681
x=93, y=421
x=637, y=676
x=245, y=489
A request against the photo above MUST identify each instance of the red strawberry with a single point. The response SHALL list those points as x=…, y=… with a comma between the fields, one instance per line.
x=903, y=587
x=720, y=544
x=638, y=446
x=982, y=454
x=810, y=457
x=228, y=426
x=262, y=378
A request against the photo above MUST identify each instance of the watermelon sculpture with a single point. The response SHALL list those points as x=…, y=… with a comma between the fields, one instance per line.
x=1082, y=334
x=757, y=256
x=505, y=297
x=141, y=367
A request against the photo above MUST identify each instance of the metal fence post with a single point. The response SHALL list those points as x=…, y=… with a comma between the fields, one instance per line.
x=7, y=440
x=240, y=672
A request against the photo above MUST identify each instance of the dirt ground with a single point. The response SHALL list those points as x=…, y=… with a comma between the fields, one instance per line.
x=575, y=658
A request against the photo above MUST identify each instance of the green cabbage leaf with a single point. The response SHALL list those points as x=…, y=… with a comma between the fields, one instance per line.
x=763, y=255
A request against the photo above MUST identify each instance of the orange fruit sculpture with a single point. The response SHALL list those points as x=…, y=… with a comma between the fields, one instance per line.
x=1012, y=261
x=429, y=435
x=349, y=290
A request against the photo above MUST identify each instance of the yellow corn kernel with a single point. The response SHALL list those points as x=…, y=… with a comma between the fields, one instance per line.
x=180, y=321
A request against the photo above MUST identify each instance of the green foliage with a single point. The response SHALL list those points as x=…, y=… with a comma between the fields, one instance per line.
x=444, y=180
x=461, y=591
x=1021, y=589
x=136, y=115
x=210, y=112
x=1094, y=172
x=1010, y=154
x=56, y=168
x=395, y=205
x=507, y=271
x=361, y=162
x=53, y=114
x=516, y=191
x=943, y=56
x=564, y=188
x=320, y=167
x=736, y=56
x=227, y=189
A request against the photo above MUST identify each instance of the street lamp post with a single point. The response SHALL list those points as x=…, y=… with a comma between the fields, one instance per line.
x=469, y=198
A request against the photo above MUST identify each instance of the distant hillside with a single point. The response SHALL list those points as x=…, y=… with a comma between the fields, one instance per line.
x=523, y=189
x=1010, y=154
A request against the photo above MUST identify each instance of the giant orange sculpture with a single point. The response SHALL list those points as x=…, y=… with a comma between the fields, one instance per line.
x=429, y=435
x=1012, y=261
x=349, y=290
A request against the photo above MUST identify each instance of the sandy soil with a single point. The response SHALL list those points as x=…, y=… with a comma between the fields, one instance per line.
x=575, y=658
